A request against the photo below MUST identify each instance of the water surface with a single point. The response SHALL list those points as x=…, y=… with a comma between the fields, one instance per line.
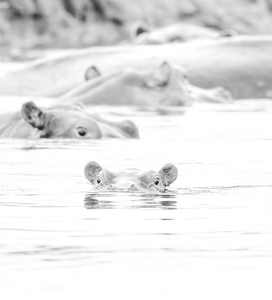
x=211, y=241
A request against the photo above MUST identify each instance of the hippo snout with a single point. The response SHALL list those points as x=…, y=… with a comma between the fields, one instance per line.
x=125, y=185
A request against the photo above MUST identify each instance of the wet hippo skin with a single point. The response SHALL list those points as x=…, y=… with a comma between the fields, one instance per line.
x=62, y=121
x=130, y=180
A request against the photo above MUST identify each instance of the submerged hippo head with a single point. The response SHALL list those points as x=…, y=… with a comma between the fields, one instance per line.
x=165, y=84
x=141, y=33
x=64, y=121
x=130, y=180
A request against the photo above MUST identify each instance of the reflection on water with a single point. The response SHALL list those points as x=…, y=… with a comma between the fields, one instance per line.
x=98, y=201
x=213, y=240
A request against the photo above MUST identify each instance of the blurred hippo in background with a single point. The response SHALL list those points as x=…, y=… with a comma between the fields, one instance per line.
x=140, y=33
x=131, y=180
x=165, y=85
x=240, y=64
x=62, y=121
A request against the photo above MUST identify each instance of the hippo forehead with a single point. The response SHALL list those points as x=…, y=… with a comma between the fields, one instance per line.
x=135, y=175
x=64, y=114
x=62, y=120
x=63, y=111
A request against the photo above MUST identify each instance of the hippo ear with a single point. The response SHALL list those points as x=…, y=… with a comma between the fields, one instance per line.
x=137, y=29
x=33, y=115
x=161, y=76
x=92, y=73
x=169, y=174
x=164, y=72
x=91, y=171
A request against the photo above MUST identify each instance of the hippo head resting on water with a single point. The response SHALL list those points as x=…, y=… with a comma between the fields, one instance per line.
x=131, y=180
x=62, y=121
x=165, y=84
x=74, y=122
x=162, y=86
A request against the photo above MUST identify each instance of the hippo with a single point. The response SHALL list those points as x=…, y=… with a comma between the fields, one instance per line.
x=140, y=33
x=166, y=85
x=62, y=121
x=240, y=64
x=130, y=180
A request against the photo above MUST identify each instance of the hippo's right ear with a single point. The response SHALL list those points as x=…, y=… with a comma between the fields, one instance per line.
x=161, y=75
x=33, y=115
x=164, y=72
x=91, y=170
x=92, y=73
x=169, y=173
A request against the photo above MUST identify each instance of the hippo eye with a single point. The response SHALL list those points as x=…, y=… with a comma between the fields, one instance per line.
x=156, y=181
x=82, y=131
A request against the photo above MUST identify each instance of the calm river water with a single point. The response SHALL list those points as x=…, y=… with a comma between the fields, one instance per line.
x=211, y=241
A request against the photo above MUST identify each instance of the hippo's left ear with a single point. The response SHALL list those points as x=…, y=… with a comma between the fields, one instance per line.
x=92, y=73
x=91, y=171
x=33, y=115
x=169, y=174
x=162, y=75
x=138, y=28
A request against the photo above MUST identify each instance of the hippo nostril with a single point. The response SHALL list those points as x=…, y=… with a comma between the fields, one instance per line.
x=133, y=188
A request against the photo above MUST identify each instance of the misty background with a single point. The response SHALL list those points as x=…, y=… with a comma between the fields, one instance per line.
x=37, y=24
